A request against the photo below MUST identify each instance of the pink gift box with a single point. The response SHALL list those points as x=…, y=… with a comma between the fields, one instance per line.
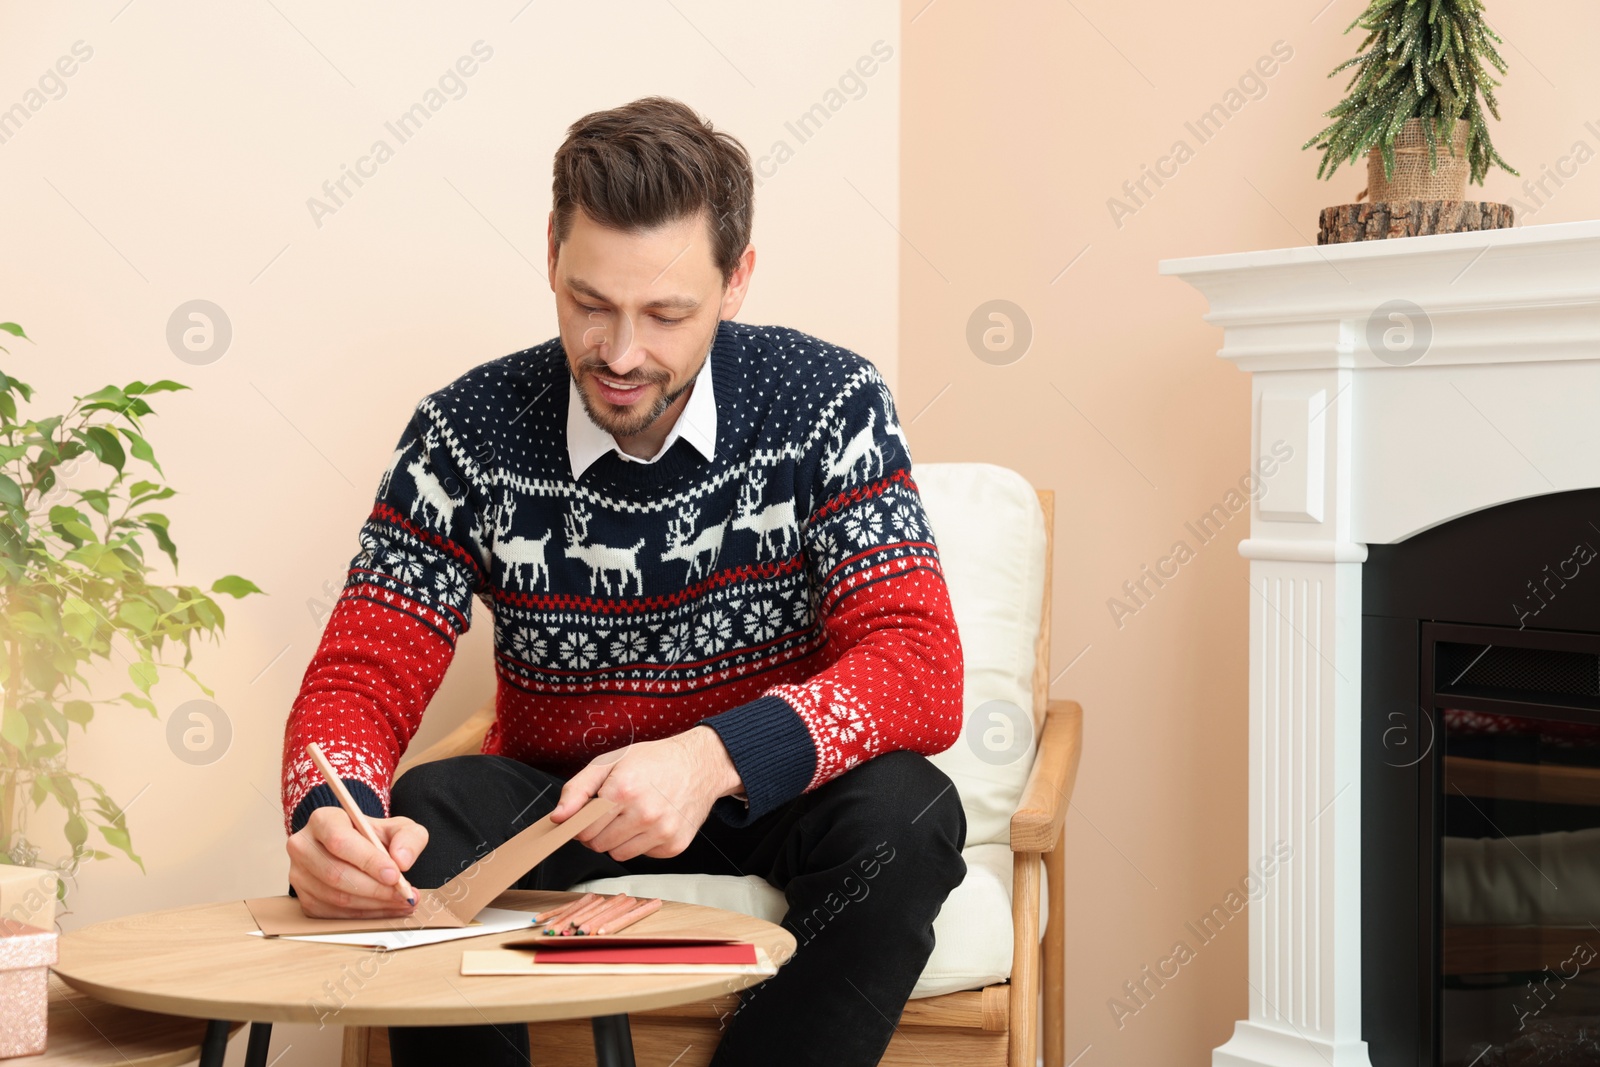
x=26, y=953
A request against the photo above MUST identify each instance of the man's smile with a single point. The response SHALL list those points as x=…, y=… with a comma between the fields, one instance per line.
x=619, y=393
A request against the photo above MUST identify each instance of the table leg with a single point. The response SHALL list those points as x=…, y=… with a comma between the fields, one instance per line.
x=613, y=1041
x=260, y=1037
x=214, y=1046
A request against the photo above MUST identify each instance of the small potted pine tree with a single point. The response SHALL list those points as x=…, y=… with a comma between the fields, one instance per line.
x=1421, y=80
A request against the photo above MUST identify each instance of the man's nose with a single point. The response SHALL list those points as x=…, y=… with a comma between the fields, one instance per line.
x=618, y=350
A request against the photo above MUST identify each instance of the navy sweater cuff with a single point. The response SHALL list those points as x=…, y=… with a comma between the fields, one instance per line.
x=772, y=751
x=321, y=796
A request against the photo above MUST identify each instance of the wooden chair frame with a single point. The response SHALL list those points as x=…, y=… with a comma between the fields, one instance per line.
x=997, y=1026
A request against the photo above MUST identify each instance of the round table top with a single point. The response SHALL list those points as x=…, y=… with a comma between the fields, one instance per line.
x=202, y=961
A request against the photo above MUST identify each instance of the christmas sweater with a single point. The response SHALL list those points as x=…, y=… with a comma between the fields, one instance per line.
x=787, y=592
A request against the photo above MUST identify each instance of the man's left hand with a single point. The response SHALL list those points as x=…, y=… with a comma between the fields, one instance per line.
x=663, y=791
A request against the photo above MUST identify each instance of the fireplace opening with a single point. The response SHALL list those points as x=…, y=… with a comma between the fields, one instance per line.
x=1517, y=795
x=1481, y=790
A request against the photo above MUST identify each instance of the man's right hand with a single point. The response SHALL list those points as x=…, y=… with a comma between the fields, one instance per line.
x=338, y=874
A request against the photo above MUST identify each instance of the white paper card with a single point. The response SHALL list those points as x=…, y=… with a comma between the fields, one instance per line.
x=489, y=921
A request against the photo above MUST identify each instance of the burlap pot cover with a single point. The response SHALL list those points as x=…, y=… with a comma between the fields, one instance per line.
x=1412, y=180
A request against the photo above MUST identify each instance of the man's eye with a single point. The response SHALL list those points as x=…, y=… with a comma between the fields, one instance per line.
x=590, y=310
x=667, y=322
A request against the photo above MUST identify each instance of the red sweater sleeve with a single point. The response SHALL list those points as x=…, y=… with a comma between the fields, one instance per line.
x=895, y=673
x=390, y=637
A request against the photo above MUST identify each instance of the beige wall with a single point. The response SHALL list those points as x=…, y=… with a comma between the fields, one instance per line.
x=1020, y=121
x=177, y=165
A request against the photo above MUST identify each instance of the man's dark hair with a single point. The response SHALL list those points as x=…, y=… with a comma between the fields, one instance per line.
x=655, y=161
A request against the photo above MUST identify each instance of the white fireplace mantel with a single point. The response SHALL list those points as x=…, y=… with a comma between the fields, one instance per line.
x=1482, y=388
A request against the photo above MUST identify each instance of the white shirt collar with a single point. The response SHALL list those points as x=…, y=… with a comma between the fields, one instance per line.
x=697, y=424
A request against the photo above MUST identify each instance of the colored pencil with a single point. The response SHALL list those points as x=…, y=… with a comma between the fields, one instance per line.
x=359, y=817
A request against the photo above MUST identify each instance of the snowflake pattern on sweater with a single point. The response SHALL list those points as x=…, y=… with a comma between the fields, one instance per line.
x=787, y=592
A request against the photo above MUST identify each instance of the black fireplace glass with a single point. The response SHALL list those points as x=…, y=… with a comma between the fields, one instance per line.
x=1519, y=872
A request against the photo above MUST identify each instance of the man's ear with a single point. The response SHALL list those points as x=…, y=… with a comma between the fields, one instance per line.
x=738, y=284
x=551, y=250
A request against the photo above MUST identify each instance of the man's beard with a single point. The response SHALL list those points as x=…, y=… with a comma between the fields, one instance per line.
x=629, y=422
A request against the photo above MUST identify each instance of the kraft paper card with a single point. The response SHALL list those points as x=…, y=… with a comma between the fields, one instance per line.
x=452, y=905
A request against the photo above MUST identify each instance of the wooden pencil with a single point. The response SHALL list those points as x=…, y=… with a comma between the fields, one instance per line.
x=556, y=914
x=600, y=901
x=584, y=912
x=631, y=916
x=571, y=906
x=358, y=817
x=622, y=903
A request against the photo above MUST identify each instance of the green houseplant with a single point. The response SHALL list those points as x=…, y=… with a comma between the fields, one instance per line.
x=1419, y=78
x=76, y=578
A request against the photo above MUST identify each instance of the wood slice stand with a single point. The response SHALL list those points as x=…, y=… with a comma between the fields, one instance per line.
x=1409, y=218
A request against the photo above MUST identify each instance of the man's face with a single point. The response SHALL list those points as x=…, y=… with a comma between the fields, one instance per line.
x=638, y=313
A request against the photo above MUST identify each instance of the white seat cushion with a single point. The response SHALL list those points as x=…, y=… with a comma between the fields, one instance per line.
x=990, y=532
x=972, y=934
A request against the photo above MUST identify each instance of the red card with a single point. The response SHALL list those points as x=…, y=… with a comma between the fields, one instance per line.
x=738, y=952
x=556, y=941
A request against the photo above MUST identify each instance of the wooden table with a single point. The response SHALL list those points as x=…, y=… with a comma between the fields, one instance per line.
x=203, y=962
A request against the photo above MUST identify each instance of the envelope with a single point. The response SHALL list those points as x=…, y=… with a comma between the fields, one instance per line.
x=452, y=905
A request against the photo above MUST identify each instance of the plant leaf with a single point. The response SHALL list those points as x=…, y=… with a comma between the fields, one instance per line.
x=14, y=728
x=140, y=702
x=157, y=525
x=32, y=623
x=118, y=837
x=138, y=614
x=10, y=492
x=143, y=674
x=235, y=586
x=163, y=386
x=108, y=562
x=110, y=449
x=140, y=448
x=98, y=499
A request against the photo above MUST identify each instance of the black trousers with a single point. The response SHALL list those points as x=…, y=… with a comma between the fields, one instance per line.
x=866, y=860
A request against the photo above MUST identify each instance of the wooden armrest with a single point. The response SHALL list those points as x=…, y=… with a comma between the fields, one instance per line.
x=464, y=740
x=1036, y=824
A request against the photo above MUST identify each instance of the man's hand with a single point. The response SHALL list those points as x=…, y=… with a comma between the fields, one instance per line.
x=336, y=873
x=663, y=791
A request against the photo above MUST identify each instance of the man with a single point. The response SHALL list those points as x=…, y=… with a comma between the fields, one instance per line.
x=714, y=591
